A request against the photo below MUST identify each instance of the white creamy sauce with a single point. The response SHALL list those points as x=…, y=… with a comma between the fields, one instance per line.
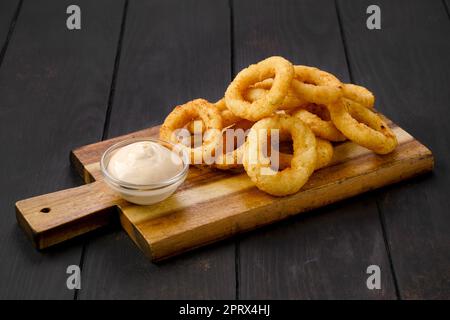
x=144, y=162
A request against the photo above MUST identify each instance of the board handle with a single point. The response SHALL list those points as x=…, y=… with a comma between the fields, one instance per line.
x=53, y=218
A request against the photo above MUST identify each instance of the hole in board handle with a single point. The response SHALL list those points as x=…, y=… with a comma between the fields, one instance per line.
x=45, y=210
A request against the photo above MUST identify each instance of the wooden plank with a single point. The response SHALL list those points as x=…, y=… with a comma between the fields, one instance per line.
x=54, y=87
x=59, y=216
x=173, y=51
x=408, y=70
x=447, y=7
x=295, y=261
x=213, y=205
x=8, y=9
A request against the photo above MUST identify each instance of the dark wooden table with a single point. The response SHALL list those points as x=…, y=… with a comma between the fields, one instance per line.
x=133, y=60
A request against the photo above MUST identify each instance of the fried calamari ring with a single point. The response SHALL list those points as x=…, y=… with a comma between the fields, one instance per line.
x=260, y=89
x=319, y=110
x=324, y=155
x=316, y=86
x=230, y=160
x=228, y=118
x=321, y=128
x=183, y=114
x=233, y=159
x=363, y=126
x=274, y=67
x=358, y=94
x=257, y=166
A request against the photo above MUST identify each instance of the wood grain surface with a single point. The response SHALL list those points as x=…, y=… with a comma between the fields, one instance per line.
x=60, y=90
x=59, y=216
x=307, y=32
x=409, y=70
x=447, y=7
x=212, y=205
x=172, y=51
x=8, y=11
x=54, y=87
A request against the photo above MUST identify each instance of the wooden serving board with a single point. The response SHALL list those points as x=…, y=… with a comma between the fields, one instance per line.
x=211, y=205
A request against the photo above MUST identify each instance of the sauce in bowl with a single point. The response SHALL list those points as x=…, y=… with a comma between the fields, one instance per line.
x=144, y=171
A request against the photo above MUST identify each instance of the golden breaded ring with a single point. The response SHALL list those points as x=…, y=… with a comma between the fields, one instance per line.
x=321, y=128
x=257, y=166
x=260, y=89
x=324, y=155
x=232, y=159
x=228, y=118
x=316, y=86
x=274, y=67
x=363, y=126
x=358, y=94
x=183, y=114
x=195, y=125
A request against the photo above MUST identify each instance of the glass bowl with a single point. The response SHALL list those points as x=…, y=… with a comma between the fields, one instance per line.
x=149, y=193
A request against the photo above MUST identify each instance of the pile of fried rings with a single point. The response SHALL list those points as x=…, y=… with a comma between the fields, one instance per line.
x=310, y=108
